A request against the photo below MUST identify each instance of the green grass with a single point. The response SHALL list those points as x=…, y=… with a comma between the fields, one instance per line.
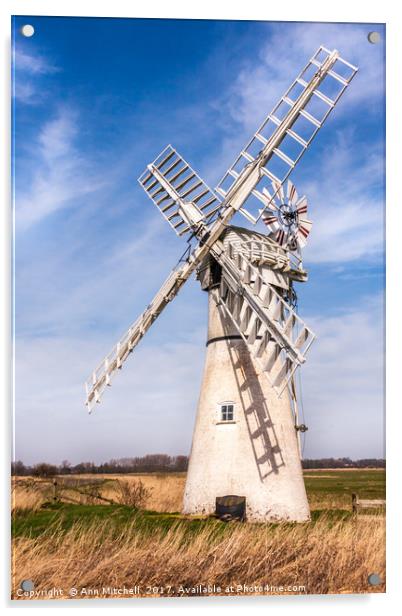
x=365, y=483
x=117, y=517
x=34, y=523
x=337, y=486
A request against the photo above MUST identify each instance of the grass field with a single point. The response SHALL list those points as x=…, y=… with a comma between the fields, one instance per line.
x=114, y=550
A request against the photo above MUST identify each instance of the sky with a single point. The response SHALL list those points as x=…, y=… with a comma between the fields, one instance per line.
x=96, y=100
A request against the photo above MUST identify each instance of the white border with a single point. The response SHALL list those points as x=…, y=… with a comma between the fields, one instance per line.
x=293, y=10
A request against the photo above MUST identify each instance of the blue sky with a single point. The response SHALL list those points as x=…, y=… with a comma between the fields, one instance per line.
x=95, y=100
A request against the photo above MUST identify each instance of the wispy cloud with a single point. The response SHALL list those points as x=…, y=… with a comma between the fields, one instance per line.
x=24, y=91
x=150, y=407
x=159, y=386
x=93, y=258
x=29, y=70
x=33, y=64
x=346, y=203
x=61, y=174
x=343, y=383
x=344, y=181
x=101, y=275
x=263, y=80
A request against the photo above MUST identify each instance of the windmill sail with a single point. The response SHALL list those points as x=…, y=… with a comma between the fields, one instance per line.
x=288, y=130
x=102, y=375
x=188, y=204
x=182, y=197
x=173, y=185
x=275, y=335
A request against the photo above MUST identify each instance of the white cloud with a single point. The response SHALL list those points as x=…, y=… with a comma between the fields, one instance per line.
x=88, y=288
x=149, y=408
x=263, y=80
x=346, y=205
x=95, y=285
x=33, y=64
x=29, y=69
x=343, y=384
x=24, y=91
x=344, y=182
x=61, y=174
x=151, y=404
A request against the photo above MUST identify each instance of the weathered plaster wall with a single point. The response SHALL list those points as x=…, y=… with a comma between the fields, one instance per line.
x=257, y=455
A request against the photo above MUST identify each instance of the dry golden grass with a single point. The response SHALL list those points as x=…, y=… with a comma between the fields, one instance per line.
x=28, y=493
x=322, y=557
x=165, y=490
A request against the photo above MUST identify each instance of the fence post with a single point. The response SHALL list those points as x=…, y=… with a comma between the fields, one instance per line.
x=55, y=496
x=354, y=503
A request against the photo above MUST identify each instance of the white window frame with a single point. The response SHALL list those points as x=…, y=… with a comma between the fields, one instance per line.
x=221, y=405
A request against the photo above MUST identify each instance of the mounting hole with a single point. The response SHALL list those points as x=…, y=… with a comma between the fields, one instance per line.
x=27, y=585
x=374, y=37
x=28, y=30
x=374, y=579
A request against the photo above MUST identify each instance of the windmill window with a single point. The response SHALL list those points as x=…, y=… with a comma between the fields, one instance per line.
x=227, y=412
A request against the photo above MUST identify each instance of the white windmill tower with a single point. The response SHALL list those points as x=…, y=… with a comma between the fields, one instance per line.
x=245, y=437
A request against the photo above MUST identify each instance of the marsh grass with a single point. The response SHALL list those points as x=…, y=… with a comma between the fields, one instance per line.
x=102, y=545
x=326, y=557
x=164, y=491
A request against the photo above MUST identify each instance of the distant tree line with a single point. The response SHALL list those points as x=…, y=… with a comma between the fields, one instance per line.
x=151, y=463
x=344, y=463
x=160, y=462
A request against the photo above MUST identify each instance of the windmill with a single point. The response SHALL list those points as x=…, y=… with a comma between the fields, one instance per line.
x=245, y=440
